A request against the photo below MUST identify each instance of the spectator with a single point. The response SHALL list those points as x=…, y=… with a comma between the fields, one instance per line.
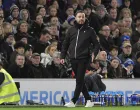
x=124, y=13
x=95, y=4
x=7, y=28
x=126, y=53
x=36, y=69
x=81, y=4
x=92, y=17
x=113, y=53
x=105, y=39
x=22, y=32
x=43, y=42
x=102, y=57
x=7, y=47
x=56, y=69
x=128, y=69
x=136, y=34
x=14, y=13
x=28, y=53
x=46, y=58
x=37, y=26
x=136, y=47
x=19, y=49
x=103, y=17
x=114, y=69
x=42, y=11
x=24, y=4
x=136, y=69
x=24, y=15
x=113, y=14
x=18, y=69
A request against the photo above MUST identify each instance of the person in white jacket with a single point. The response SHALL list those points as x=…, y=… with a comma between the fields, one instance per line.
x=46, y=58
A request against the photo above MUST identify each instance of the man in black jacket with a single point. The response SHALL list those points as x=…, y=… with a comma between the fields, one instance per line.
x=77, y=43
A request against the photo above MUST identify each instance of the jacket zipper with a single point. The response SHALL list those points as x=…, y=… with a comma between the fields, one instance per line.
x=77, y=40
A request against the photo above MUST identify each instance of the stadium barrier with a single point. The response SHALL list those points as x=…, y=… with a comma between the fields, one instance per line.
x=50, y=91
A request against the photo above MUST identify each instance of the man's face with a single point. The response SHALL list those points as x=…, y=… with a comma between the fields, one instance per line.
x=127, y=3
x=20, y=50
x=113, y=13
x=114, y=52
x=25, y=15
x=23, y=27
x=101, y=13
x=20, y=60
x=82, y=2
x=80, y=18
x=114, y=3
x=10, y=39
x=127, y=50
x=23, y=3
x=128, y=22
x=36, y=60
x=103, y=56
x=106, y=31
x=70, y=11
x=96, y=2
x=15, y=13
x=87, y=11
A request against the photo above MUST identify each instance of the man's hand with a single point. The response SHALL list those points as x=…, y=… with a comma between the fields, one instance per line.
x=62, y=61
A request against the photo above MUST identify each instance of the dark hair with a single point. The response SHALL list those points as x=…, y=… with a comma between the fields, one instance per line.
x=44, y=32
x=79, y=11
x=20, y=55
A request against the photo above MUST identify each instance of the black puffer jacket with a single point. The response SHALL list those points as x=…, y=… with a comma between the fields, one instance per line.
x=78, y=41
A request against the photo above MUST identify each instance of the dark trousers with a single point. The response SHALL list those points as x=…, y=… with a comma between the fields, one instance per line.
x=79, y=68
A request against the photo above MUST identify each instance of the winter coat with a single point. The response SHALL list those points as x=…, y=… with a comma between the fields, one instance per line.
x=46, y=59
x=78, y=41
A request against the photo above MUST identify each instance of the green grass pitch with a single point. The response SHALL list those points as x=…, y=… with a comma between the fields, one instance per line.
x=64, y=108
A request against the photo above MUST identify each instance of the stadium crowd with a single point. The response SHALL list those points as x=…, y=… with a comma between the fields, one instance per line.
x=32, y=33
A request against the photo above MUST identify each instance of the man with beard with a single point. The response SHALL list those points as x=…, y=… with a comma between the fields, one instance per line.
x=77, y=42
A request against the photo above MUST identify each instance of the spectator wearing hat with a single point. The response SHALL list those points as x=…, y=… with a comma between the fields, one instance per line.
x=126, y=52
x=14, y=13
x=66, y=25
x=7, y=47
x=28, y=53
x=114, y=68
x=92, y=17
x=69, y=12
x=24, y=15
x=103, y=17
x=36, y=69
x=18, y=69
x=6, y=6
x=136, y=69
x=128, y=69
x=19, y=49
